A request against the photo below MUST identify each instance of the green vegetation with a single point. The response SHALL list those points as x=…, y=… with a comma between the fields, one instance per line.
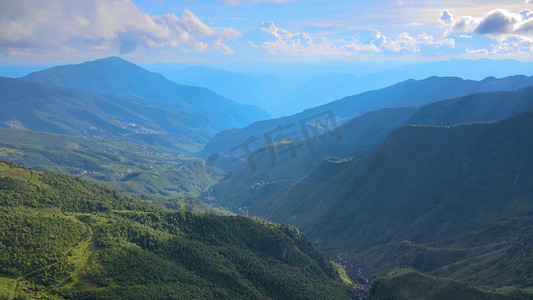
x=359, y=135
x=408, y=284
x=66, y=238
x=51, y=108
x=408, y=93
x=205, y=110
x=451, y=201
x=156, y=174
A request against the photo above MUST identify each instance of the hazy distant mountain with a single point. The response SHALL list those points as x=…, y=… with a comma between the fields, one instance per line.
x=56, y=109
x=324, y=88
x=321, y=90
x=429, y=197
x=407, y=93
x=257, y=188
x=261, y=90
x=306, y=85
x=114, y=75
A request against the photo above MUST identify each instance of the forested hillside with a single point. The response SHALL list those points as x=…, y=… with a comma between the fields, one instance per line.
x=63, y=237
x=449, y=201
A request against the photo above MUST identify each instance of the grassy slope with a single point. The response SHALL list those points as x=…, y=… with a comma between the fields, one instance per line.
x=63, y=237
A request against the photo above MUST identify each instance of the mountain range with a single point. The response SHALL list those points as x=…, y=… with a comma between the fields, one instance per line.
x=114, y=75
x=113, y=98
x=404, y=94
x=286, y=89
x=453, y=201
x=263, y=91
x=257, y=188
x=419, y=190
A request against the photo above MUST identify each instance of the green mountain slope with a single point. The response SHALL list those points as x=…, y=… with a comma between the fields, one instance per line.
x=409, y=284
x=258, y=189
x=114, y=75
x=149, y=172
x=42, y=107
x=403, y=94
x=451, y=201
x=65, y=238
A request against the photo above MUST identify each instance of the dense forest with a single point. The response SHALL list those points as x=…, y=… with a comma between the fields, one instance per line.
x=65, y=238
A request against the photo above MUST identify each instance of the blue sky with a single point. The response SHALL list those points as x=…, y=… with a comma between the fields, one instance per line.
x=147, y=31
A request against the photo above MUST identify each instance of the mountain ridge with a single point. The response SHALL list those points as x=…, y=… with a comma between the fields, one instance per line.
x=437, y=187
x=359, y=135
x=403, y=94
x=114, y=75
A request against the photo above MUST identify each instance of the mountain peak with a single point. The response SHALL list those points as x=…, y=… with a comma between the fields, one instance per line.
x=110, y=61
x=114, y=75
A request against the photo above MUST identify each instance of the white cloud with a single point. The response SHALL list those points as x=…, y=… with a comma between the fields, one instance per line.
x=238, y=2
x=498, y=22
x=478, y=52
x=200, y=46
x=101, y=24
x=295, y=43
x=512, y=32
x=405, y=41
x=225, y=48
x=282, y=40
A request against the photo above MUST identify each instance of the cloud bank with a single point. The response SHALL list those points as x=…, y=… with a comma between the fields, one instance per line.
x=105, y=25
x=280, y=40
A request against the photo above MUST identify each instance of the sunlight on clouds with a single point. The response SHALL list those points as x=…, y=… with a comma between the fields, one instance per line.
x=513, y=32
x=106, y=27
x=81, y=25
x=368, y=42
x=285, y=41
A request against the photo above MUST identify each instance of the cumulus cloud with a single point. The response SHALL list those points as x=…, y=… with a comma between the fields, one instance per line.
x=511, y=31
x=405, y=41
x=498, y=22
x=282, y=40
x=102, y=24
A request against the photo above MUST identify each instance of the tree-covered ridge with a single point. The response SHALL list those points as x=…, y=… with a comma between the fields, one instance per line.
x=63, y=237
x=404, y=284
x=449, y=201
